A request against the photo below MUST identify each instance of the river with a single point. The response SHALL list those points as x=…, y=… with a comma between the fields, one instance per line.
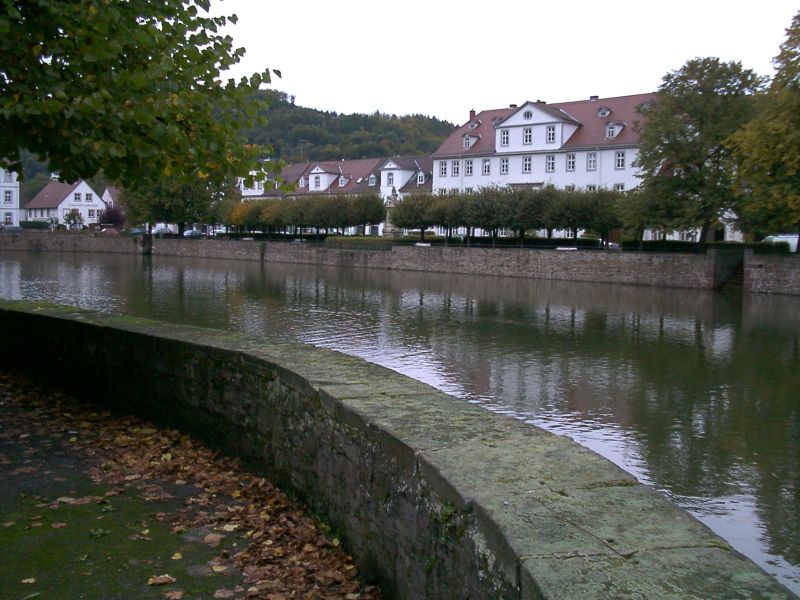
x=695, y=393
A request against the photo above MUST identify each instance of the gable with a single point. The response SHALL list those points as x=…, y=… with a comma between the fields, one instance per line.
x=534, y=113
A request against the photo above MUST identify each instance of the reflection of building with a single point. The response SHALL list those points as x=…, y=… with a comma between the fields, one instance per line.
x=56, y=199
x=9, y=197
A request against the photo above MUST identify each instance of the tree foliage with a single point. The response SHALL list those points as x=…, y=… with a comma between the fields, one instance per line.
x=767, y=148
x=684, y=160
x=300, y=134
x=131, y=88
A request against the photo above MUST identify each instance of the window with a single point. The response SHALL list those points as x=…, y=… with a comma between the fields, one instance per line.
x=455, y=169
x=526, y=164
x=466, y=142
x=570, y=187
x=551, y=134
x=91, y=213
x=390, y=178
x=342, y=181
x=8, y=197
x=550, y=163
x=504, y=166
x=528, y=114
x=527, y=135
x=443, y=168
x=76, y=196
x=317, y=182
x=571, y=161
x=468, y=190
x=619, y=187
x=259, y=185
x=8, y=218
x=372, y=180
x=468, y=167
x=619, y=159
x=591, y=161
x=302, y=182
x=487, y=166
x=591, y=188
x=7, y=176
x=610, y=131
x=420, y=178
x=88, y=197
x=504, y=137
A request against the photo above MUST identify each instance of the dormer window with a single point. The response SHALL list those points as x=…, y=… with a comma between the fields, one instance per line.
x=603, y=111
x=372, y=180
x=302, y=182
x=317, y=182
x=467, y=141
x=611, y=131
x=420, y=178
x=342, y=181
x=390, y=178
x=473, y=125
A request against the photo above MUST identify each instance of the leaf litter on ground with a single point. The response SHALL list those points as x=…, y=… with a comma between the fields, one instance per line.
x=286, y=553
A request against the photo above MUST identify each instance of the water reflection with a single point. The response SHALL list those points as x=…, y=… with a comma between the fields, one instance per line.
x=694, y=393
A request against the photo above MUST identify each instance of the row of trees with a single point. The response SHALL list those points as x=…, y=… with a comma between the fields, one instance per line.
x=522, y=210
x=715, y=143
x=328, y=213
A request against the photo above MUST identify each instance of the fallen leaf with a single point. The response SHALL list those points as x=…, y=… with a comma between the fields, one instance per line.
x=161, y=580
x=58, y=525
x=174, y=595
x=8, y=524
x=219, y=568
x=133, y=477
x=29, y=580
x=223, y=594
x=213, y=539
x=230, y=527
x=177, y=556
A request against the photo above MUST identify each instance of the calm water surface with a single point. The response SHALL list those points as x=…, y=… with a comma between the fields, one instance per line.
x=694, y=393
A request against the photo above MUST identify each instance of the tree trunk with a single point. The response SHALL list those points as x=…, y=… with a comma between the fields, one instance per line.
x=521, y=236
x=704, y=232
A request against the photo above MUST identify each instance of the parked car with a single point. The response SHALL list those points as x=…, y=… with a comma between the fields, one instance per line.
x=162, y=231
x=193, y=234
x=137, y=230
x=789, y=238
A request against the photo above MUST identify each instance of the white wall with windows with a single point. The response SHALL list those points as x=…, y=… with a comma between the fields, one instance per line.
x=10, y=213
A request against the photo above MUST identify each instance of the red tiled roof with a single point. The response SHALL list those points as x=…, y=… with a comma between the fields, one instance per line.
x=591, y=130
x=53, y=194
x=484, y=131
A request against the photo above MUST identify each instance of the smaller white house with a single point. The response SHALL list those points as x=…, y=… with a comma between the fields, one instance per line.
x=9, y=198
x=57, y=199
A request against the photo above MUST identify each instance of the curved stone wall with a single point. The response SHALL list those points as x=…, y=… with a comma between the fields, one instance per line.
x=434, y=497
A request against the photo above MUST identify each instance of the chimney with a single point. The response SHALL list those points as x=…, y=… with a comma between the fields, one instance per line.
x=512, y=106
x=593, y=98
x=472, y=114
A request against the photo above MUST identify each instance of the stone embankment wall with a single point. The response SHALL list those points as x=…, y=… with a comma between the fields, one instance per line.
x=435, y=498
x=772, y=273
x=698, y=271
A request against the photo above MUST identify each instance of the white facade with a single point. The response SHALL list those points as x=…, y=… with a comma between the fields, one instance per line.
x=9, y=198
x=81, y=197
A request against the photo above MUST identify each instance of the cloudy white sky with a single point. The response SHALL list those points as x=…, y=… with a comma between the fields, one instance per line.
x=442, y=57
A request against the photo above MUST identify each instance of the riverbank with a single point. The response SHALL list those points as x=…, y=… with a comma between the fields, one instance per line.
x=709, y=270
x=95, y=505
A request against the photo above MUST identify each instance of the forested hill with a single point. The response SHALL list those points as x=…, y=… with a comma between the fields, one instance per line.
x=299, y=134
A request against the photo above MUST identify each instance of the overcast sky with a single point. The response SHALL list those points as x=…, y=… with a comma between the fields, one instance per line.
x=441, y=57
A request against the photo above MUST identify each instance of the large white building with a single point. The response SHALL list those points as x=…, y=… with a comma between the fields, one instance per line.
x=585, y=144
x=9, y=198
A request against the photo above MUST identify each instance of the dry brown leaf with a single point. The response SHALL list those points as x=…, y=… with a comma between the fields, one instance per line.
x=223, y=594
x=58, y=525
x=213, y=539
x=174, y=595
x=29, y=580
x=161, y=580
